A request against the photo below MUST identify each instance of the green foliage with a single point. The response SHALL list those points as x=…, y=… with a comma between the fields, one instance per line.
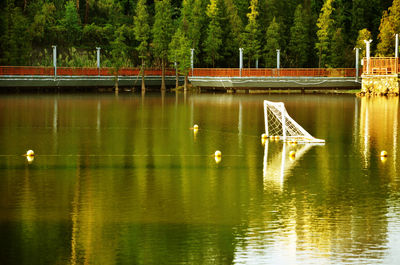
x=299, y=41
x=142, y=29
x=272, y=44
x=162, y=29
x=363, y=34
x=390, y=25
x=324, y=33
x=252, y=34
x=179, y=52
x=213, y=42
x=72, y=23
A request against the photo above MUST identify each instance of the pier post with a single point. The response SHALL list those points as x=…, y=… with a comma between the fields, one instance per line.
x=367, y=43
x=240, y=60
x=98, y=59
x=278, y=58
x=55, y=60
x=357, y=60
x=191, y=58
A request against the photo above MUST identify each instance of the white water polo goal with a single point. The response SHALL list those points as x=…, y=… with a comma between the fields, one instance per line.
x=278, y=123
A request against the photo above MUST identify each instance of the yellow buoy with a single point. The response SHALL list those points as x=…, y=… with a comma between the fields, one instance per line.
x=277, y=138
x=384, y=154
x=217, y=153
x=264, y=136
x=195, y=127
x=30, y=153
x=292, y=154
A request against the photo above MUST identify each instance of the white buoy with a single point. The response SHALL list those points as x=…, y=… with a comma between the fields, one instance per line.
x=195, y=127
x=384, y=154
x=264, y=136
x=217, y=153
x=30, y=153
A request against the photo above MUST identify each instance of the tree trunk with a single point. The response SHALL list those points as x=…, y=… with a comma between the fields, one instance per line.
x=77, y=5
x=143, y=84
x=185, y=83
x=116, y=84
x=162, y=74
x=176, y=78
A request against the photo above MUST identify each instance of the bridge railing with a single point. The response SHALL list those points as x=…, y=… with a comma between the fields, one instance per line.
x=380, y=66
x=274, y=72
x=78, y=71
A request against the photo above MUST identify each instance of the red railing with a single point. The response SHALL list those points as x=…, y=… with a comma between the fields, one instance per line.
x=381, y=66
x=211, y=72
x=78, y=71
x=273, y=72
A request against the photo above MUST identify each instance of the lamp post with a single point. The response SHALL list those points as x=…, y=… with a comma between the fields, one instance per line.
x=98, y=59
x=240, y=60
x=278, y=58
x=367, y=43
x=357, y=59
x=55, y=60
x=191, y=58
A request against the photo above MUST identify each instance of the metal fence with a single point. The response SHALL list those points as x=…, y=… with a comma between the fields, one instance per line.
x=78, y=71
x=380, y=66
x=274, y=72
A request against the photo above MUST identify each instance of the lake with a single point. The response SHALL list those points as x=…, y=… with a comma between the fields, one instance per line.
x=125, y=180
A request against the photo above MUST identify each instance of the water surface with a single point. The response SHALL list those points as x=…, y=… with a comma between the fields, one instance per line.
x=124, y=180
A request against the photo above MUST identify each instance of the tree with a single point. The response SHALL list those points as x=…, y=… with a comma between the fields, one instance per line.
x=118, y=52
x=71, y=23
x=179, y=52
x=252, y=34
x=363, y=34
x=272, y=44
x=324, y=33
x=390, y=25
x=213, y=41
x=299, y=41
x=142, y=34
x=162, y=33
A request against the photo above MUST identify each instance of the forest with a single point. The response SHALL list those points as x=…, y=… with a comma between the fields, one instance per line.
x=147, y=33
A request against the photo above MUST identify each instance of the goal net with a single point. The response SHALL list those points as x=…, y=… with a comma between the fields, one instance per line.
x=279, y=123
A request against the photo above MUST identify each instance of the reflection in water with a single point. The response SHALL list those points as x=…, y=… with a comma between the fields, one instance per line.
x=128, y=184
x=379, y=127
x=281, y=162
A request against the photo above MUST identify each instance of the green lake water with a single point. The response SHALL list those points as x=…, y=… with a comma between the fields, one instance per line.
x=124, y=180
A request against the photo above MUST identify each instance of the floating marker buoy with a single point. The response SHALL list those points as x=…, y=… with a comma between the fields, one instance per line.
x=292, y=154
x=276, y=138
x=264, y=136
x=195, y=127
x=30, y=153
x=217, y=153
x=384, y=154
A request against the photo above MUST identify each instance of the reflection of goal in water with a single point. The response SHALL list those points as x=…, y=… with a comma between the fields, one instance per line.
x=277, y=164
x=279, y=123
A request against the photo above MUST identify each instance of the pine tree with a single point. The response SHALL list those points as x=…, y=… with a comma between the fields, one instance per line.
x=299, y=41
x=179, y=52
x=72, y=23
x=252, y=34
x=213, y=42
x=390, y=25
x=142, y=34
x=162, y=34
x=272, y=44
x=324, y=33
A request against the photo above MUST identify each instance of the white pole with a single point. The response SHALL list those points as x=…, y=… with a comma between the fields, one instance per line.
x=191, y=58
x=278, y=58
x=367, y=43
x=55, y=60
x=240, y=60
x=357, y=59
x=98, y=58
